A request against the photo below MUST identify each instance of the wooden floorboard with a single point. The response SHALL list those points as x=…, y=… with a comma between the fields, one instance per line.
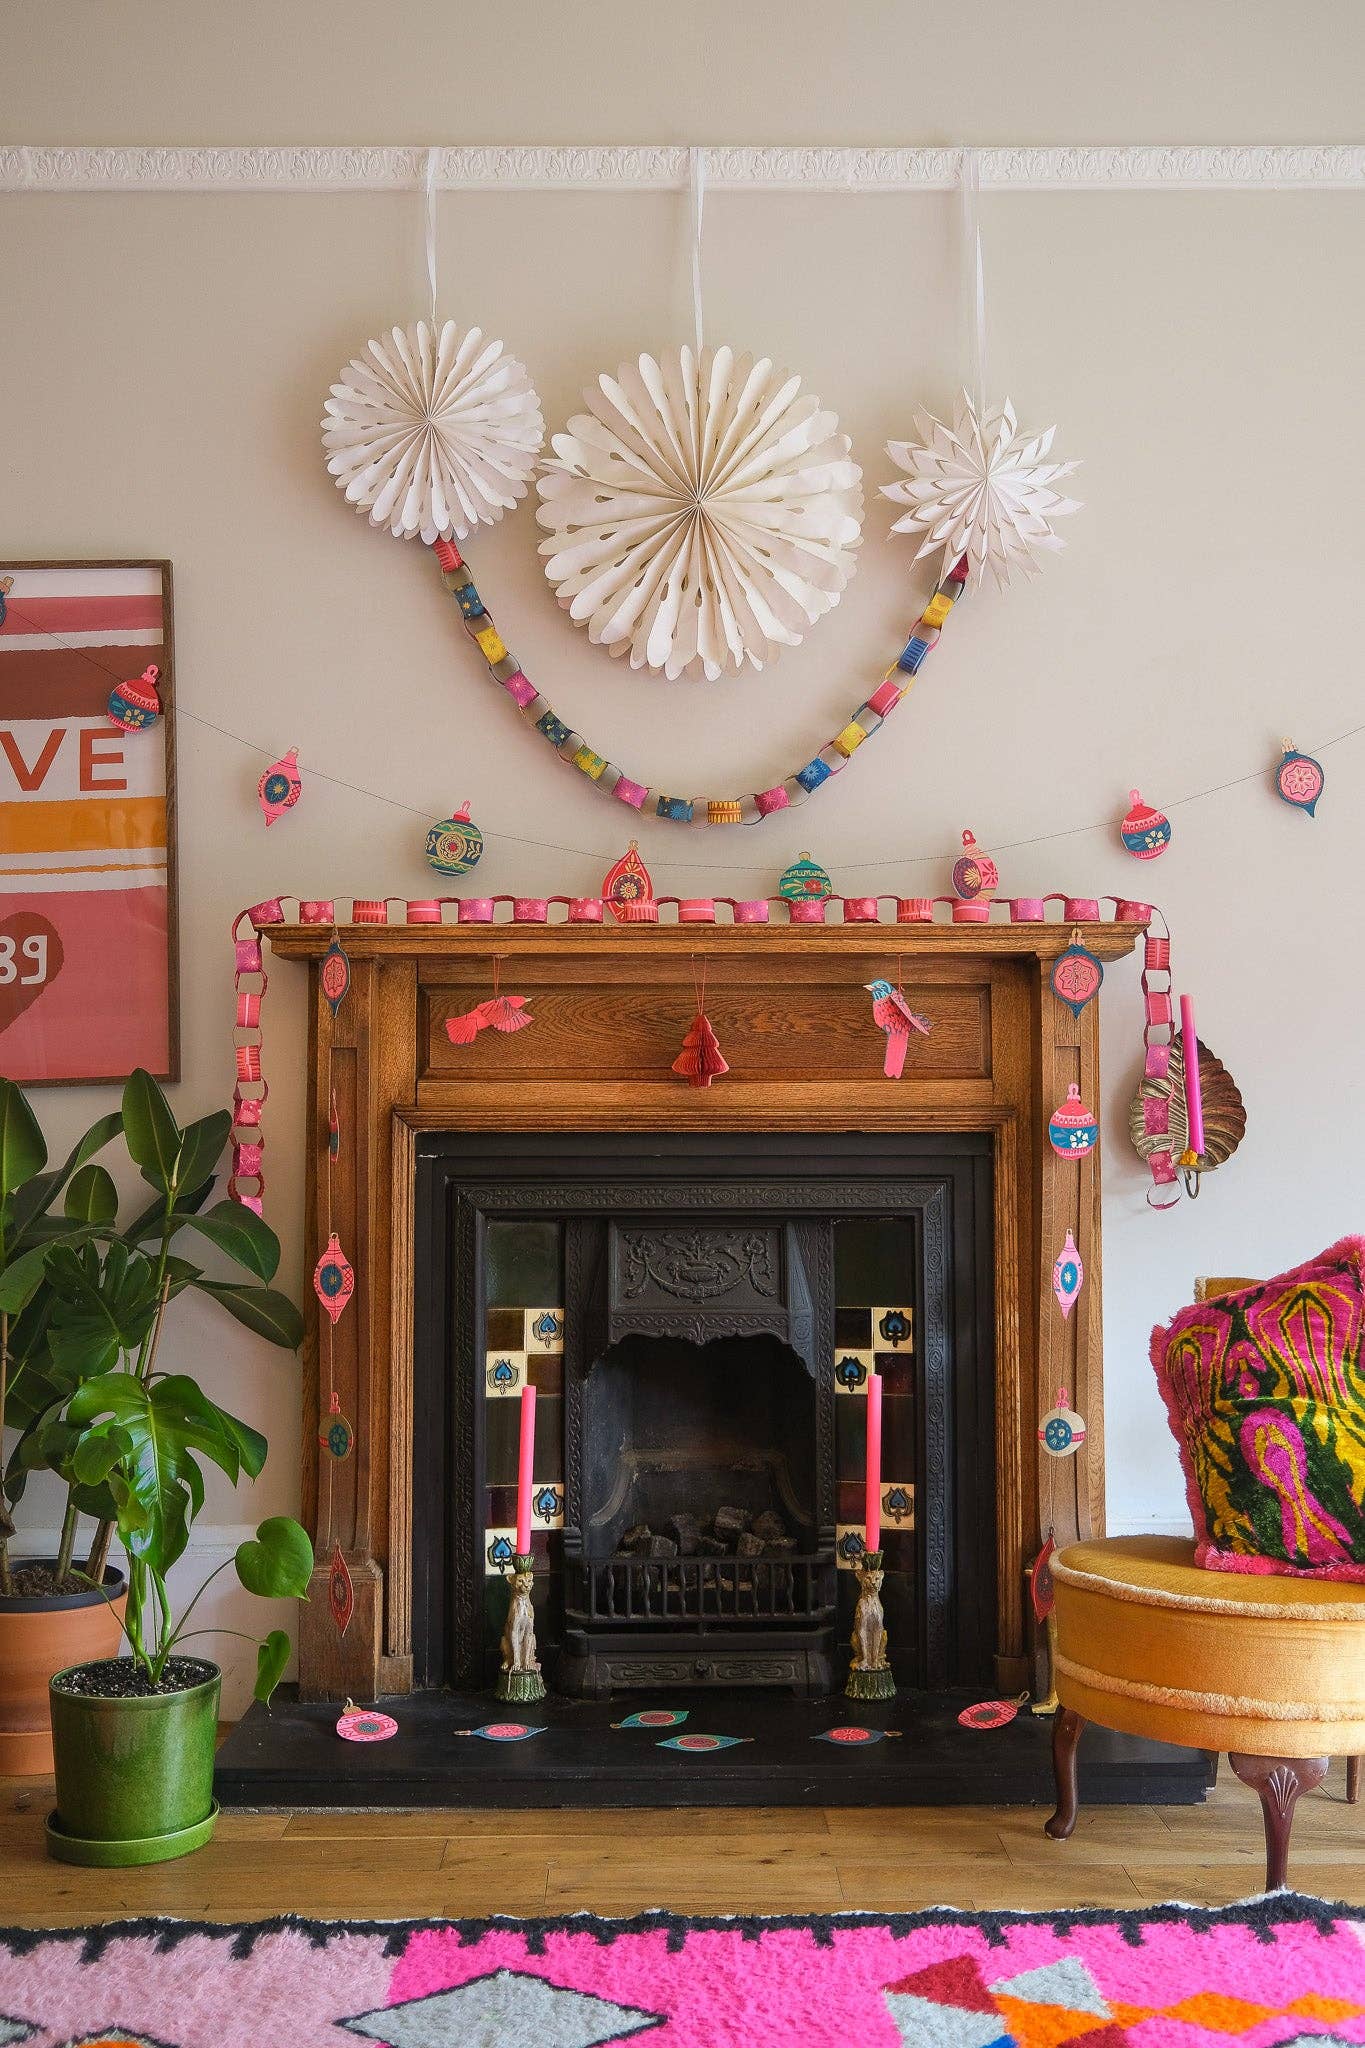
x=762, y=1860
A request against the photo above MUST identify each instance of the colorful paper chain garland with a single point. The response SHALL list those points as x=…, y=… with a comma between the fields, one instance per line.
x=694, y=810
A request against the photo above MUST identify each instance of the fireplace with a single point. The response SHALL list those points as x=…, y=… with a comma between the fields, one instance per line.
x=448, y=1149
x=700, y=1316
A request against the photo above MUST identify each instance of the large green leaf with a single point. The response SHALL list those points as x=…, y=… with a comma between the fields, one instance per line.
x=270, y=1314
x=277, y=1562
x=242, y=1444
x=271, y=1657
x=21, y=1278
x=201, y=1148
x=28, y=1202
x=154, y=1218
x=91, y=1196
x=103, y=1305
x=242, y=1234
x=22, y=1149
x=153, y=1135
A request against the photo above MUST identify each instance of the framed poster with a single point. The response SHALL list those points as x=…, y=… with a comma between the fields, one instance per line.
x=88, y=953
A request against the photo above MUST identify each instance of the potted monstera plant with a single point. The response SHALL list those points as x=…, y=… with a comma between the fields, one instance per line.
x=52, y=1610
x=133, y=1736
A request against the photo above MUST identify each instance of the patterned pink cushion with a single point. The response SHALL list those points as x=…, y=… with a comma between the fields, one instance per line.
x=1265, y=1395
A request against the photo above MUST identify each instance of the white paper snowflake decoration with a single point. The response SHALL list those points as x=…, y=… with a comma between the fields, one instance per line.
x=433, y=432
x=980, y=488
x=703, y=512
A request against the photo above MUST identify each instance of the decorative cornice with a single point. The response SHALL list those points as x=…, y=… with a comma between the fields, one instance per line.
x=1071, y=167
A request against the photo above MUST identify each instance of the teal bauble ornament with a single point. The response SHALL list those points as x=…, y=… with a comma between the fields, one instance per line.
x=455, y=845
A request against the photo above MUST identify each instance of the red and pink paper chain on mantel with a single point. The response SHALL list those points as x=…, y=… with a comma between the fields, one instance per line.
x=250, y=1090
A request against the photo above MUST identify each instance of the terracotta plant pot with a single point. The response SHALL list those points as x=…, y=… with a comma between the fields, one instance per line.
x=134, y=1774
x=38, y=1638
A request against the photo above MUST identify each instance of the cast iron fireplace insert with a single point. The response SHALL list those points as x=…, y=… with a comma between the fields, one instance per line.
x=699, y=1441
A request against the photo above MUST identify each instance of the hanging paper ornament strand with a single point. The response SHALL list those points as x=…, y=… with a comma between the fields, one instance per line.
x=334, y=1284
x=505, y=669
x=249, y=1091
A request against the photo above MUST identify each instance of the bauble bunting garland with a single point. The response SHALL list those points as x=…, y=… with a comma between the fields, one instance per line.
x=1299, y=779
x=455, y=844
x=1145, y=833
x=280, y=788
x=135, y=705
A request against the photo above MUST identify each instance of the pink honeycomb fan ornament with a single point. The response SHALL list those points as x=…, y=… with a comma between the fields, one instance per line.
x=280, y=788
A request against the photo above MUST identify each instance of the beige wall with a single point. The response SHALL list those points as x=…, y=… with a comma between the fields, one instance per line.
x=164, y=364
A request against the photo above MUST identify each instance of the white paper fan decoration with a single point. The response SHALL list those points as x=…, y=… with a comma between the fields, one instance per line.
x=980, y=488
x=702, y=513
x=433, y=434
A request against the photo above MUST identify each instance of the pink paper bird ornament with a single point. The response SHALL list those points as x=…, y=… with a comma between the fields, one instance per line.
x=895, y=1017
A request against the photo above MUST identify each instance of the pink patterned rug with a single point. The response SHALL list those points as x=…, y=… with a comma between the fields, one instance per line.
x=1283, y=1970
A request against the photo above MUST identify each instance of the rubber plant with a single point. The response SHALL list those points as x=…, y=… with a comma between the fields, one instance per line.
x=131, y=1439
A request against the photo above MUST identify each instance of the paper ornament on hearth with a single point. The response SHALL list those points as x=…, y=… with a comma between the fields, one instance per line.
x=980, y=488
x=702, y=514
x=433, y=432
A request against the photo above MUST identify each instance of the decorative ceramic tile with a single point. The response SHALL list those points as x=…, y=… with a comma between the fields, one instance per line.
x=851, y=1369
x=504, y=1372
x=898, y=1504
x=853, y=1328
x=547, y=1504
x=546, y=1375
x=499, y=1548
x=893, y=1329
x=544, y=1330
x=898, y=1373
x=848, y=1544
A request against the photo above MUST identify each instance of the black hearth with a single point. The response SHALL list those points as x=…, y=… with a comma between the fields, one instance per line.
x=700, y=1315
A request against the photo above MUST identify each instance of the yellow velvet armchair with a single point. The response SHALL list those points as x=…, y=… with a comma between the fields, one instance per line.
x=1268, y=1671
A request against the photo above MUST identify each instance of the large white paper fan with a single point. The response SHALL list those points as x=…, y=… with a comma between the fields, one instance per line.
x=703, y=513
x=980, y=488
x=433, y=433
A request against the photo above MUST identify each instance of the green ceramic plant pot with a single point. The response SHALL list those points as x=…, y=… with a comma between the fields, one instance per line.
x=134, y=1775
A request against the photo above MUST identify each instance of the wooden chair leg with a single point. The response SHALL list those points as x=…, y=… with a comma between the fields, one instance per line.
x=1279, y=1780
x=1352, y=1780
x=1066, y=1735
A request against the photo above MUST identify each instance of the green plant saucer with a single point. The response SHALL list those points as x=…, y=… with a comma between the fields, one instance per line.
x=114, y=1855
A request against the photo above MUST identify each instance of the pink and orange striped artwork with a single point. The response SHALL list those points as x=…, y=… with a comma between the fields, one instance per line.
x=87, y=845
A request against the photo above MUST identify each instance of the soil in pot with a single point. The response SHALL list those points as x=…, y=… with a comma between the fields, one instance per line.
x=42, y=1630
x=134, y=1761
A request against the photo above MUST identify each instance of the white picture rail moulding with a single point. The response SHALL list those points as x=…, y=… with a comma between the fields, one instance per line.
x=649, y=167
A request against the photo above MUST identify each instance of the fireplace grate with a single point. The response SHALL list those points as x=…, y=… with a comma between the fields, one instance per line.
x=699, y=1593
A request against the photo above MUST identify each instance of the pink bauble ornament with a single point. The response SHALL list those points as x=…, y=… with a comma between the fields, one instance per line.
x=1068, y=1275
x=135, y=705
x=363, y=1724
x=1073, y=1130
x=974, y=873
x=1145, y=833
x=280, y=788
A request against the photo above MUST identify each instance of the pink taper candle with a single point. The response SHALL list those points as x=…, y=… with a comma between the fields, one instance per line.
x=872, y=1510
x=524, y=1465
x=1194, y=1098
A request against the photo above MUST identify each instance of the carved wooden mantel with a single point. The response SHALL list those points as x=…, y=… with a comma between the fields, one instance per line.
x=611, y=1004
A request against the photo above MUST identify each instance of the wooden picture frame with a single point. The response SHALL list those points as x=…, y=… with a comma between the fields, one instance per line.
x=88, y=882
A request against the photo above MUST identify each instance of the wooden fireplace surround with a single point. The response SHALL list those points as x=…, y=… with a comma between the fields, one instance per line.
x=611, y=1004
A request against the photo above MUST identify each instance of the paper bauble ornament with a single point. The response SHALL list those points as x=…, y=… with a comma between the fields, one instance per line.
x=702, y=513
x=334, y=1278
x=280, y=788
x=980, y=488
x=1061, y=1431
x=803, y=880
x=974, y=873
x=334, y=976
x=1042, y=1589
x=1299, y=779
x=1076, y=975
x=989, y=1714
x=336, y=1434
x=1073, y=1131
x=627, y=887
x=433, y=433
x=1145, y=833
x=340, y=1590
x=363, y=1724
x=135, y=705
x=455, y=844
x=1068, y=1274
